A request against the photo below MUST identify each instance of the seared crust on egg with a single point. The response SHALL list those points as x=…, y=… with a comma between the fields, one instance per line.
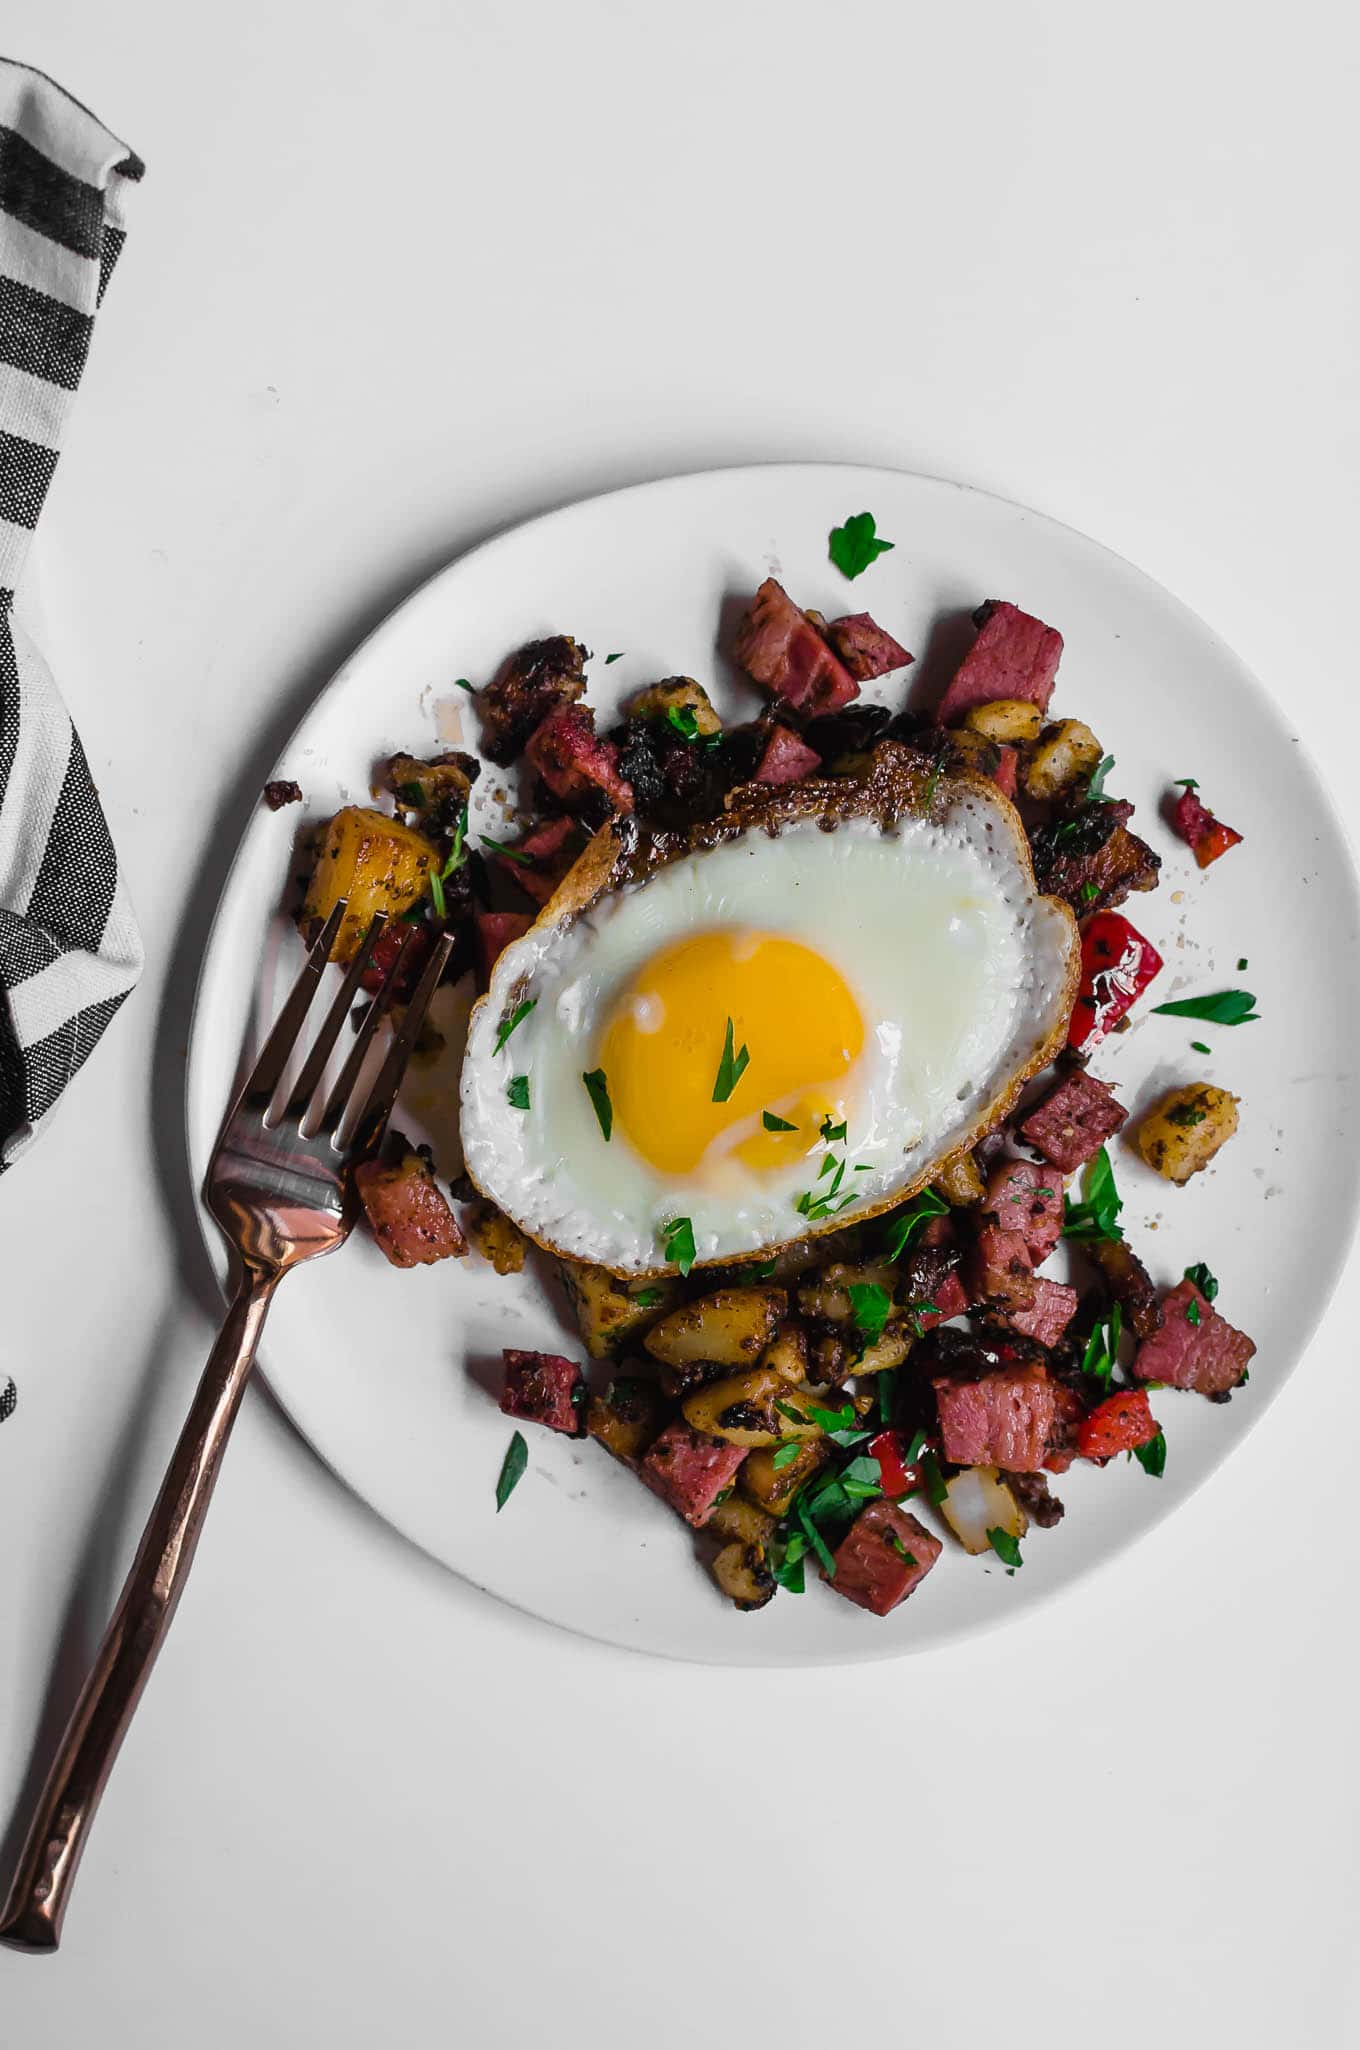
x=897, y=783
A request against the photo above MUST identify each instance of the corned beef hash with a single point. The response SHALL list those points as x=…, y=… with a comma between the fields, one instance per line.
x=785, y=1054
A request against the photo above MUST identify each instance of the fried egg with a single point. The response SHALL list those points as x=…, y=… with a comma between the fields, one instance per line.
x=782, y=1028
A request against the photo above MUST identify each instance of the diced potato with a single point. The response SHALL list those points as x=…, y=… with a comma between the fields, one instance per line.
x=731, y=1327
x=626, y=1418
x=741, y=1408
x=610, y=1312
x=736, y=1518
x=496, y=1238
x=1067, y=754
x=977, y=1500
x=377, y=863
x=960, y=1182
x=788, y=1354
x=973, y=751
x=835, y=1357
x=743, y=1575
x=678, y=1382
x=827, y=1293
x=1185, y=1130
x=677, y=692
x=423, y=786
x=774, y=1487
x=1009, y=721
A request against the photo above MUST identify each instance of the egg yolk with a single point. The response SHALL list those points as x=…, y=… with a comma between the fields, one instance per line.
x=663, y=1040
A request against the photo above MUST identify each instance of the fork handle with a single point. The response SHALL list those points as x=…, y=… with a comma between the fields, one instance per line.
x=32, y=1916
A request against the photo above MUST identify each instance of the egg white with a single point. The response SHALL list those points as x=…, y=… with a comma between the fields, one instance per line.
x=957, y=965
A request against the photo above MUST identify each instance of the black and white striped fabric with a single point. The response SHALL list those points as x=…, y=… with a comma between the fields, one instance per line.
x=69, y=950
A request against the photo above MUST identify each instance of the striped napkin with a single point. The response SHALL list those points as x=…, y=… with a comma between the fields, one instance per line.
x=69, y=949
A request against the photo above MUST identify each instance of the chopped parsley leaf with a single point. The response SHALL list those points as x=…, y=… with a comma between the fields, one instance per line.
x=510, y=853
x=461, y=683
x=648, y=1298
x=438, y=878
x=869, y=1306
x=1224, y=1007
x=834, y=1135
x=1205, y=1281
x=1097, y=1217
x=731, y=1067
x=1006, y=1547
x=617, y=656
x=907, y=1558
x=1089, y=892
x=597, y=1089
x=855, y=545
x=785, y=1456
x=1185, y=1114
x=815, y=1538
x=678, y=1239
x=763, y=1269
x=1192, y=1315
x=684, y=719
x=886, y=1393
x=1095, y=785
x=1152, y=1456
x=775, y=1124
x=517, y=1092
x=411, y=794
x=514, y=1021
x=1242, y=964
x=512, y=1470
x=936, y=1486
x=902, y=1229
x=1186, y=783
x=1198, y=1046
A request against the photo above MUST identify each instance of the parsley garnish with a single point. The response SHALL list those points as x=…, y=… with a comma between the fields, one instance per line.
x=1006, y=1547
x=1192, y=1315
x=1095, y=783
x=461, y=683
x=937, y=1488
x=516, y=1019
x=1198, y=1046
x=617, y=656
x=886, y=1392
x=786, y=1562
x=1225, y=1007
x=684, y=719
x=597, y=1089
x=1204, y=1280
x=411, y=794
x=902, y=1229
x=677, y=1237
x=834, y=1135
x=855, y=545
x=1089, y=892
x=869, y=1306
x=763, y=1269
x=1101, y=1356
x=1152, y=1456
x=512, y=1470
x=1186, y=783
x=1096, y=1217
x=774, y=1124
x=785, y=1456
x=1186, y=1115
x=815, y=1538
x=457, y=856
x=908, y=1558
x=648, y=1298
x=731, y=1067
x=510, y=853
x=517, y=1092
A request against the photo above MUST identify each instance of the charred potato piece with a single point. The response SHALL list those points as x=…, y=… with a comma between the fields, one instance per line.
x=678, y=1382
x=496, y=1238
x=969, y=750
x=625, y=1419
x=731, y=1327
x=376, y=863
x=677, y=693
x=788, y=1354
x=960, y=1182
x=1008, y=721
x=1185, y=1130
x=1067, y=754
x=743, y=1575
x=444, y=784
x=827, y=1295
x=735, y=1520
x=836, y=1356
x=741, y=1408
x=610, y=1312
x=773, y=1487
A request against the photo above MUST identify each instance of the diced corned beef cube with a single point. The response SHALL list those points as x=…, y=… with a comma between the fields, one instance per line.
x=1053, y=1308
x=1014, y=656
x=1001, y=1270
x=1005, y=1419
x=690, y=1471
x=407, y=1212
x=531, y=682
x=1068, y=1412
x=1091, y=859
x=1027, y=1198
x=883, y=1557
x=574, y=762
x=398, y=940
x=782, y=651
x=865, y=649
x=786, y=759
x=950, y=1297
x=1073, y=1122
x=549, y=851
x=1210, y=1356
x=540, y=1387
x=1006, y=773
x=495, y=931
x=1200, y=830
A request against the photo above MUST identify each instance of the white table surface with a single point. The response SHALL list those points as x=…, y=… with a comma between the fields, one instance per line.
x=401, y=274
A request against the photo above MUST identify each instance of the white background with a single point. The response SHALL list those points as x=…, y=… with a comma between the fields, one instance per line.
x=401, y=274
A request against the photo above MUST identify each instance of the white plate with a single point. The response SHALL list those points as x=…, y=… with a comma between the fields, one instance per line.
x=390, y=1375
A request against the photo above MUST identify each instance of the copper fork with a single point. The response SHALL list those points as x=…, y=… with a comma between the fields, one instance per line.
x=281, y=1186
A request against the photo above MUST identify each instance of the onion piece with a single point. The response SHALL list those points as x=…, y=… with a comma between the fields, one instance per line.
x=977, y=1500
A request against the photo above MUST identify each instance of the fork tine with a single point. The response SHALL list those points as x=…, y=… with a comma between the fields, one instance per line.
x=382, y=1095
x=264, y=1077
x=349, y=1074
x=314, y=1066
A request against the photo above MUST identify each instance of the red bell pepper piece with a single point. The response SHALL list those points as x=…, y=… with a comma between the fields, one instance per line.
x=895, y=1476
x=1117, y=1425
x=1117, y=964
x=1206, y=836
